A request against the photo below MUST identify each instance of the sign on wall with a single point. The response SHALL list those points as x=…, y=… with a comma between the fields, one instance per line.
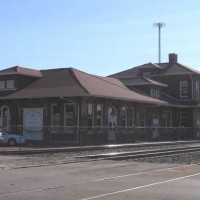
x=33, y=123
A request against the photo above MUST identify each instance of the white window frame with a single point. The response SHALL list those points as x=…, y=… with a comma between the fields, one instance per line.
x=100, y=117
x=92, y=116
x=184, y=90
x=122, y=110
x=166, y=119
x=157, y=93
x=7, y=119
x=69, y=128
x=143, y=119
x=153, y=92
x=53, y=128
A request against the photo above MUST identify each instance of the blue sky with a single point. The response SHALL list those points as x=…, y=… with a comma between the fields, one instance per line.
x=97, y=36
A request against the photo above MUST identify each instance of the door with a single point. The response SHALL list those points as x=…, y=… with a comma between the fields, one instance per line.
x=33, y=123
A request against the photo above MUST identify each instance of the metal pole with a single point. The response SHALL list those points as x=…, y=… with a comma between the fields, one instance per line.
x=159, y=44
x=159, y=25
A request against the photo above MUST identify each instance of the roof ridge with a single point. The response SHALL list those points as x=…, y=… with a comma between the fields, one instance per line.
x=72, y=71
x=188, y=68
x=102, y=78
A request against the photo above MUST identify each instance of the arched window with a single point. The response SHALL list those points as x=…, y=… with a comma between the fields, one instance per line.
x=112, y=111
x=112, y=117
x=5, y=118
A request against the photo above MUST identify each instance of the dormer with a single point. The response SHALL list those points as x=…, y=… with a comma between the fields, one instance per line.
x=17, y=77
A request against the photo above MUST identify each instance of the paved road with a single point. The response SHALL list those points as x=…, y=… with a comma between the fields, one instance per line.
x=102, y=180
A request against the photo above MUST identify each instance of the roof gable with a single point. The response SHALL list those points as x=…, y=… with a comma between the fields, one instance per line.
x=178, y=69
x=137, y=71
x=21, y=71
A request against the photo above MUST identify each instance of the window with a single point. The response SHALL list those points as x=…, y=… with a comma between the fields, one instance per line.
x=146, y=74
x=90, y=115
x=197, y=90
x=2, y=84
x=183, y=89
x=167, y=119
x=124, y=116
x=99, y=115
x=69, y=114
x=55, y=117
x=5, y=118
x=143, y=118
x=153, y=92
x=184, y=119
x=130, y=117
x=157, y=93
x=10, y=84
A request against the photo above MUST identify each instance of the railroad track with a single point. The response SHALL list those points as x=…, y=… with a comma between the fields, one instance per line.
x=141, y=154
x=133, y=154
x=24, y=150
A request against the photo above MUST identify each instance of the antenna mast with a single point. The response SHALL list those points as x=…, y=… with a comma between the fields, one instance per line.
x=159, y=25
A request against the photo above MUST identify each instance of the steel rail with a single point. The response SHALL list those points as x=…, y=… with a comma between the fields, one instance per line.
x=141, y=154
x=25, y=151
x=116, y=156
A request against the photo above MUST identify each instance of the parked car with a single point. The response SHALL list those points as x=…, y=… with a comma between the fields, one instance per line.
x=11, y=139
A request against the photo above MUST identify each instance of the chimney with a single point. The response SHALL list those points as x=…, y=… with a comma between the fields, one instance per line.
x=173, y=58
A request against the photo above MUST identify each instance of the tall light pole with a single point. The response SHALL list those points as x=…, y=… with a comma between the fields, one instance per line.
x=159, y=25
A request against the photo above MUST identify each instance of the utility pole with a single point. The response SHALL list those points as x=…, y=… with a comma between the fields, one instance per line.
x=159, y=25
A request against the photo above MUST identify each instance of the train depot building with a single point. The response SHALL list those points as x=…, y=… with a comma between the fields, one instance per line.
x=149, y=102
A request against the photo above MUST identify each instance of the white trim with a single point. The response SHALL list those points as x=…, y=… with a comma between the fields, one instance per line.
x=184, y=90
x=101, y=105
x=141, y=114
x=52, y=105
x=126, y=117
x=74, y=107
x=8, y=125
x=91, y=115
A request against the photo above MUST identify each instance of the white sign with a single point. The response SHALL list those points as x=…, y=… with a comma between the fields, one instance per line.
x=33, y=123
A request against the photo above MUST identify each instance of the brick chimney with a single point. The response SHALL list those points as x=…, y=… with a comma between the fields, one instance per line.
x=173, y=58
